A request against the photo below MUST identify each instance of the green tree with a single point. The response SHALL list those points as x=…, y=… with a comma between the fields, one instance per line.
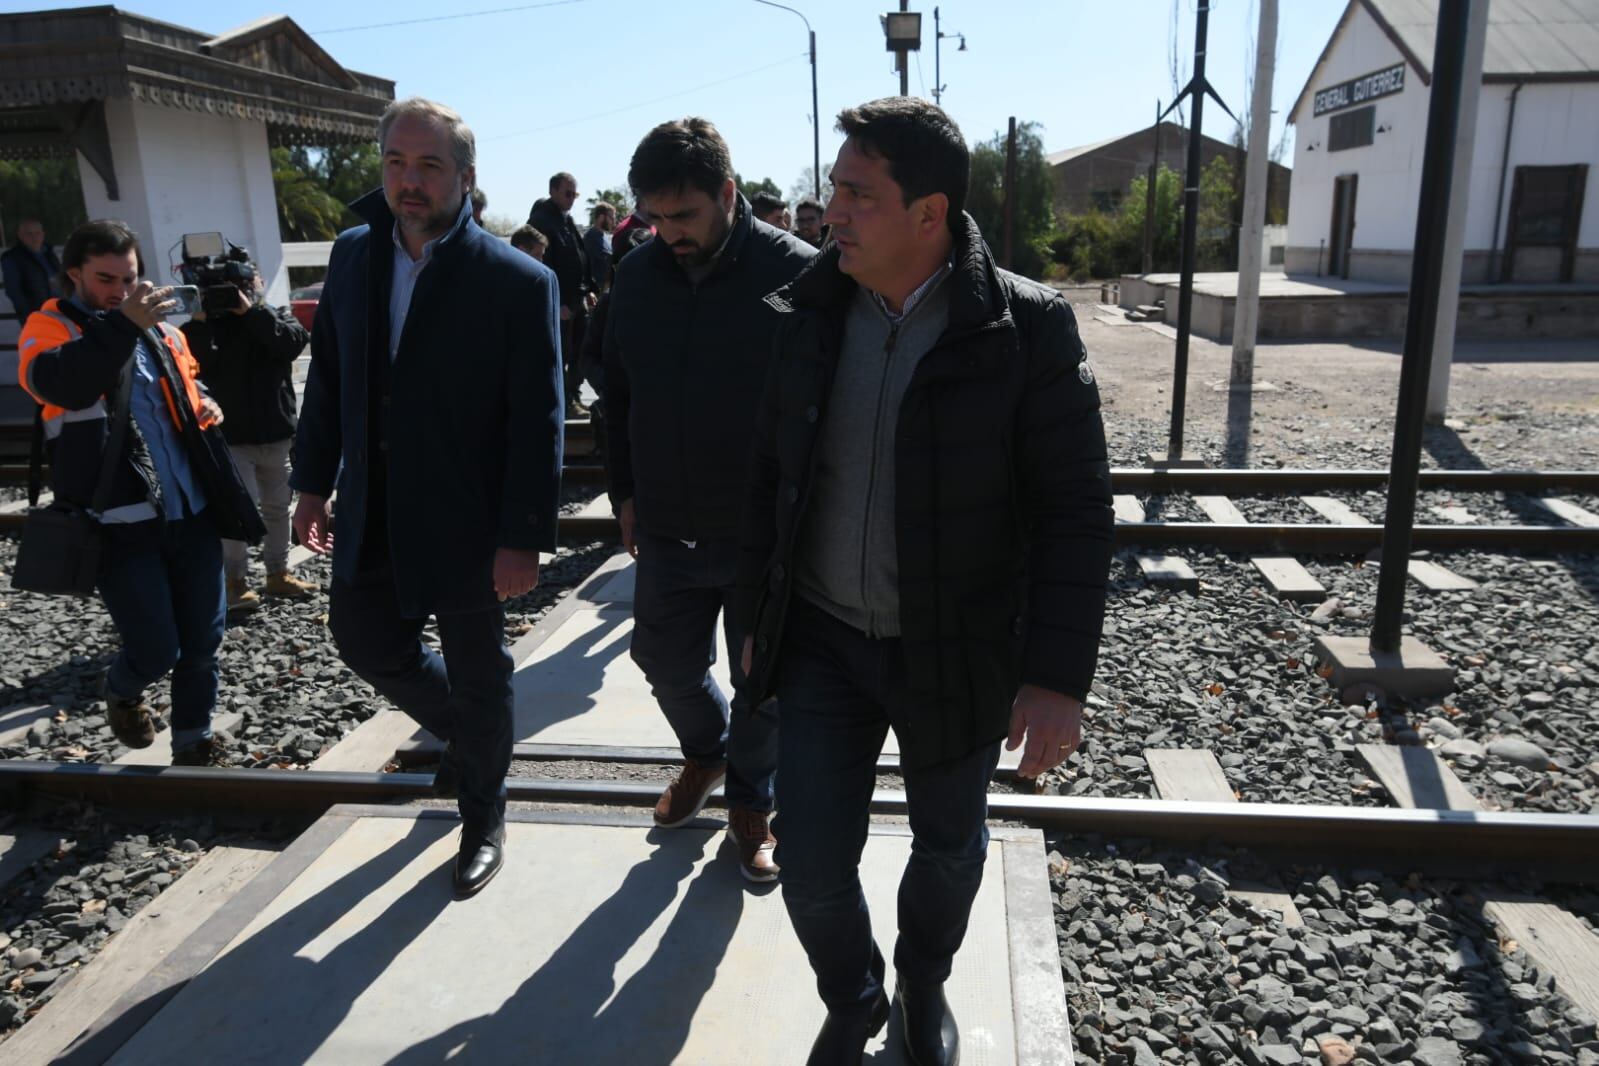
x=351, y=171
x=46, y=189
x=1217, y=230
x=1033, y=217
x=306, y=210
x=803, y=186
x=617, y=198
x=315, y=187
x=750, y=188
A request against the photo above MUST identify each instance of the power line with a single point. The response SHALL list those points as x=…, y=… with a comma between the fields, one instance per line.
x=919, y=80
x=647, y=103
x=447, y=18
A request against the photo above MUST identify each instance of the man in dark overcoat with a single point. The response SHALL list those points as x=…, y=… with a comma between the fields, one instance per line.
x=435, y=381
x=925, y=549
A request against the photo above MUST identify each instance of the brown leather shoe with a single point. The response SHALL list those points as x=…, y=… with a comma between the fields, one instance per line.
x=749, y=830
x=130, y=720
x=684, y=797
x=287, y=586
x=242, y=599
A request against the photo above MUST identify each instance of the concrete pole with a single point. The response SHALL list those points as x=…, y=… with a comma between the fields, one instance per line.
x=1246, y=317
x=1455, y=235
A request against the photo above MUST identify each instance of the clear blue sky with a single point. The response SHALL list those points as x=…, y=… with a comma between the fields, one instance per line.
x=574, y=85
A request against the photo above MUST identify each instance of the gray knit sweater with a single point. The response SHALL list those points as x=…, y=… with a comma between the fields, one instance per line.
x=847, y=560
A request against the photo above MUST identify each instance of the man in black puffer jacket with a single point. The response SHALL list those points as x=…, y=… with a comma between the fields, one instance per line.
x=926, y=550
x=688, y=343
x=246, y=357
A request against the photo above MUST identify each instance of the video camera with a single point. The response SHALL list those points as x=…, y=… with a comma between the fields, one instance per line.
x=220, y=269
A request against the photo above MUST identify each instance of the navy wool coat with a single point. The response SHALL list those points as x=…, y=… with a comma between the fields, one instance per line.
x=473, y=430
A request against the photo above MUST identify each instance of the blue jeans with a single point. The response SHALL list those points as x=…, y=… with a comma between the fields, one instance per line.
x=161, y=582
x=678, y=594
x=463, y=696
x=840, y=691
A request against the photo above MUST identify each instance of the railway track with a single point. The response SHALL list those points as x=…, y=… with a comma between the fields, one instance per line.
x=610, y=787
x=1433, y=842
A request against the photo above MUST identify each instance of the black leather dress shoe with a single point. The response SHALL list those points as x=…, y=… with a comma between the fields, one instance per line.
x=447, y=778
x=843, y=1038
x=931, y=1038
x=479, y=860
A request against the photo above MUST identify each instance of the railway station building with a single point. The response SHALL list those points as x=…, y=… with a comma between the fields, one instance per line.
x=171, y=127
x=1360, y=123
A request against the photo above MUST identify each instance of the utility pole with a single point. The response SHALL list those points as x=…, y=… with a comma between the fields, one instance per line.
x=1426, y=277
x=1196, y=89
x=1246, y=317
x=938, y=40
x=1009, y=245
x=904, y=58
x=816, y=114
x=1455, y=236
x=902, y=32
x=1149, y=196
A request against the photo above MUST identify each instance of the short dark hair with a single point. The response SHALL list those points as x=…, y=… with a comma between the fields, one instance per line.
x=526, y=237
x=922, y=145
x=480, y=199
x=765, y=203
x=809, y=202
x=103, y=236
x=687, y=153
x=559, y=178
x=603, y=207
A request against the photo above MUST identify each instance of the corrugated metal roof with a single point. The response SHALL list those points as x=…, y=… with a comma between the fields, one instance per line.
x=1526, y=38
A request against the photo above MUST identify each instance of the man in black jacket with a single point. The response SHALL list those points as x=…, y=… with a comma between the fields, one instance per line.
x=688, y=342
x=567, y=257
x=30, y=268
x=926, y=549
x=247, y=362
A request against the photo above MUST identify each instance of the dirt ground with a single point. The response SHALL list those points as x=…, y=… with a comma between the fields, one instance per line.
x=1511, y=404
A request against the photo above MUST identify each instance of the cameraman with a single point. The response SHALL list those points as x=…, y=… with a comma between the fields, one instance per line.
x=246, y=355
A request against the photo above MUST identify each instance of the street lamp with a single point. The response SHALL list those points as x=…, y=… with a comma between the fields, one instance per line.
x=902, y=31
x=938, y=38
x=816, y=117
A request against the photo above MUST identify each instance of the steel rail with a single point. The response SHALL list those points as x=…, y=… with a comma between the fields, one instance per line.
x=1550, y=845
x=1311, y=539
x=1241, y=482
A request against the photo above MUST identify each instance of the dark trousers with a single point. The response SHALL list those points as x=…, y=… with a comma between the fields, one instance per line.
x=839, y=692
x=572, y=332
x=679, y=592
x=463, y=696
x=161, y=582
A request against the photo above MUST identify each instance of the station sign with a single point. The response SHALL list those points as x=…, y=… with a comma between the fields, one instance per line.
x=1360, y=90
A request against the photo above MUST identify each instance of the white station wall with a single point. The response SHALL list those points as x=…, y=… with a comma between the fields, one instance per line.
x=1385, y=198
x=182, y=171
x=1556, y=124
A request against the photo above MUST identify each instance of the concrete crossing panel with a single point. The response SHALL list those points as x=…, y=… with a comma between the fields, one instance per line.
x=599, y=940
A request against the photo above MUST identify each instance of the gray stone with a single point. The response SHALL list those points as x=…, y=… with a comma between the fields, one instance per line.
x=1521, y=752
x=1462, y=748
x=1437, y=1051
x=27, y=957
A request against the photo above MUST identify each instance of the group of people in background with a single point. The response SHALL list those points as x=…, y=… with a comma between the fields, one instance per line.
x=869, y=456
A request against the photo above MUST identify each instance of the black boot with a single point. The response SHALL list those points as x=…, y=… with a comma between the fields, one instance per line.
x=931, y=1038
x=842, y=1040
x=480, y=858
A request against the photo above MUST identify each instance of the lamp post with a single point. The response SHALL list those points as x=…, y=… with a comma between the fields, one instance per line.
x=902, y=30
x=816, y=116
x=938, y=77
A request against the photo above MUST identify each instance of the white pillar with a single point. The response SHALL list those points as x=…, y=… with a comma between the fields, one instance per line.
x=1246, y=316
x=1443, y=349
x=181, y=171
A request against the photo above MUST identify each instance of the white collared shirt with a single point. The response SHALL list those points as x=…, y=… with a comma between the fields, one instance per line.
x=406, y=271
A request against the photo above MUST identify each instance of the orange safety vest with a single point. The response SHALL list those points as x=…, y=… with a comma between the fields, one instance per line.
x=48, y=329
